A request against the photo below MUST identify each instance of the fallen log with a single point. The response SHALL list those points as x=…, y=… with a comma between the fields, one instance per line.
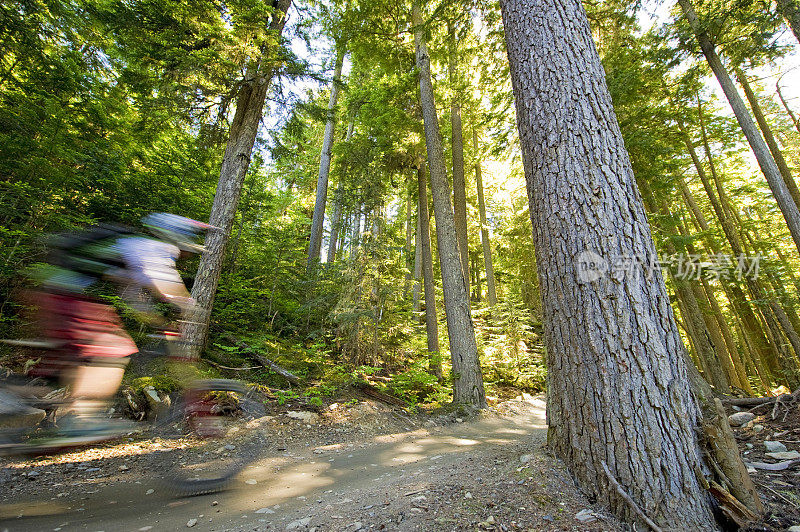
x=371, y=391
x=286, y=374
x=747, y=401
x=220, y=366
x=758, y=401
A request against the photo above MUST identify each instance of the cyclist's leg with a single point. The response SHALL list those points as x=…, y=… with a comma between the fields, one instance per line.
x=102, y=350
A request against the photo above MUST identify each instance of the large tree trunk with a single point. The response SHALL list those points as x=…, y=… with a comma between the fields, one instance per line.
x=620, y=409
x=769, y=138
x=790, y=11
x=457, y=148
x=765, y=161
x=318, y=221
x=424, y=235
x=467, y=377
x=491, y=292
x=235, y=162
x=336, y=219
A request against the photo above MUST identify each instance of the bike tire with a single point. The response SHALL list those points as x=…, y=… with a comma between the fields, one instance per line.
x=195, y=462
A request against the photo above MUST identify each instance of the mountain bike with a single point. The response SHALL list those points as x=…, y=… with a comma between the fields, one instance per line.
x=202, y=439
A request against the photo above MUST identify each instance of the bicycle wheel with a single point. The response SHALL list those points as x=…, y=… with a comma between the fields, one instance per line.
x=208, y=437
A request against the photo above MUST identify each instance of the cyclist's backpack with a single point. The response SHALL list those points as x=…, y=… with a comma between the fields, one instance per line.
x=89, y=250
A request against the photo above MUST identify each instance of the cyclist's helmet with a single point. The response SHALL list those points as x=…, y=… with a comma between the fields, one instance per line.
x=184, y=232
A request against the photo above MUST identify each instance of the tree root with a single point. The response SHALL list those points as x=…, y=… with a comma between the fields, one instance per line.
x=627, y=498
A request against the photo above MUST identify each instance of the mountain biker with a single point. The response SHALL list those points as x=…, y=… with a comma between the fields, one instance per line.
x=94, y=349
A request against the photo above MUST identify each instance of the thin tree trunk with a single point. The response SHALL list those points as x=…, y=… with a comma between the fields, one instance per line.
x=336, y=219
x=712, y=314
x=457, y=148
x=767, y=351
x=750, y=356
x=765, y=161
x=690, y=325
x=407, y=248
x=723, y=358
x=318, y=220
x=774, y=315
x=491, y=292
x=616, y=362
x=790, y=11
x=355, y=240
x=336, y=222
x=431, y=324
x=417, y=264
x=706, y=338
x=235, y=250
x=711, y=248
x=467, y=377
x=727, y=335
x=235, y=162
x=786, y=106
x=476, y=269
x=769, y=138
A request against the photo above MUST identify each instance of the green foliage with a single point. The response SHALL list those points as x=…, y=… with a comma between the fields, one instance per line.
x=415, y=384
x=285, y=396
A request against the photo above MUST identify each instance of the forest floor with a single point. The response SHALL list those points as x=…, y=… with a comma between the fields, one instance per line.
x=779, y=490
x=359, y=465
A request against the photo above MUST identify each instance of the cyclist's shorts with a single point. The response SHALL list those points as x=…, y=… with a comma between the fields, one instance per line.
x=88, y=328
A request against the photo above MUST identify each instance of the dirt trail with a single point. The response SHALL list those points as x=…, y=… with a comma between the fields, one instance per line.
x=488, y=473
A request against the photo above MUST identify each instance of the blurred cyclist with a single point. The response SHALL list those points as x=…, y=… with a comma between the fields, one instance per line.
x=93, y=347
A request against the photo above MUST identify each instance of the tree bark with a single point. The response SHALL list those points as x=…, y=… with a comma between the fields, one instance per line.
x=318, y=220
x=467, y=377
x=235, y=162
x=491, y=292
x=336, y=219
x=765, y=161
x=457, y=148
x=769, y=138
x=617, y=374
x=424, y=234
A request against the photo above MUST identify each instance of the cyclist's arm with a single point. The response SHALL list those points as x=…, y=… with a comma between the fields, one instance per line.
x=151, y=264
